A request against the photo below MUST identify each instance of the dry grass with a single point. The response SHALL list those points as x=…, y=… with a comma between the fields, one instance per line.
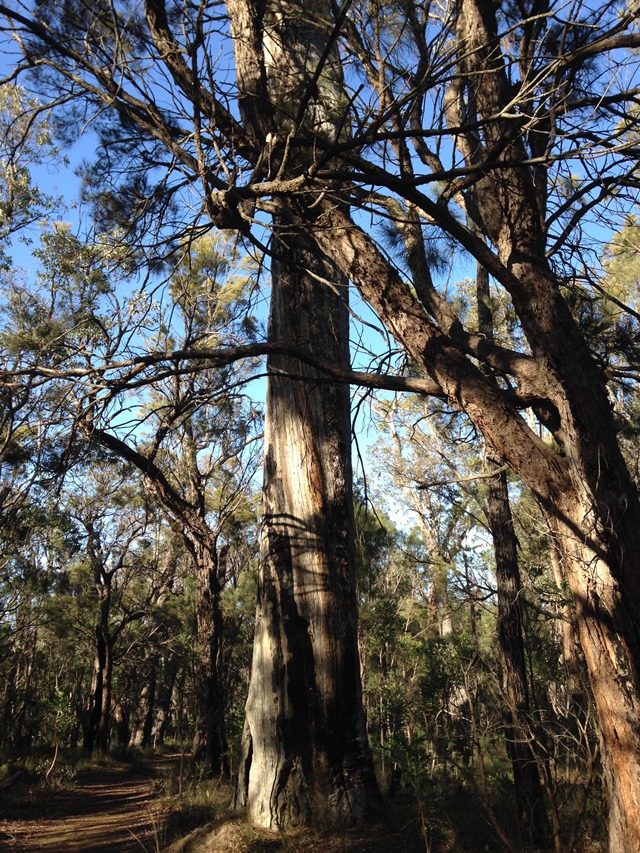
x=233, y=835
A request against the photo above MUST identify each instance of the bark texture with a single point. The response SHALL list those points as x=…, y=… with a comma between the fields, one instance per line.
x=306, y=754
x=209, y=740
x=306, y=748
x=521, y=747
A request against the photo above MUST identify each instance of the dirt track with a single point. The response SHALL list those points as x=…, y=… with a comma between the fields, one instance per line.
x=108, y=810
x=113, y=810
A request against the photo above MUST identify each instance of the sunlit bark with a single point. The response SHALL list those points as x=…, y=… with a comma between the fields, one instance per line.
x=306, y=748
x=306, y=755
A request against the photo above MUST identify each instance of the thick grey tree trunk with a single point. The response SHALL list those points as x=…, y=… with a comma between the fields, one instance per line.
x=306, y=753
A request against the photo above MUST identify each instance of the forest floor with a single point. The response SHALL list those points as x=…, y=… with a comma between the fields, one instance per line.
x=109, y=808
x=119, y=808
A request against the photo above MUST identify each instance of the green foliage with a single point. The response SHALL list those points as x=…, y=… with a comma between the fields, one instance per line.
x=424, y=567
x=621, y=260
x=212, y=287
x=25, y=142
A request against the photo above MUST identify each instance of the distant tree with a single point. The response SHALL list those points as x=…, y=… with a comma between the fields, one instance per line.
x=113, y=521
x=34, y=549
x=192, y=435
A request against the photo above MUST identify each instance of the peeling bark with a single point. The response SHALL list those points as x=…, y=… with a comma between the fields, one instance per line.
x=306, y=747
x=306, y=754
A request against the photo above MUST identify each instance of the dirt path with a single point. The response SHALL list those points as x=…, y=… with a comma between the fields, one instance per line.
x=113, y=810
x=108, y=810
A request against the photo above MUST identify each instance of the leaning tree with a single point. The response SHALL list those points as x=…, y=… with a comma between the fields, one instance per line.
x=361, y=135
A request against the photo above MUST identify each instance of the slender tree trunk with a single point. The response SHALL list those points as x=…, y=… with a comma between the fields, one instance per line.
x=143, y=716
x=150, y=698
x=305, y=745
x=163, y=705
x=532, y=814
x=9, y=702
x=95, y=702
x=97, y=728
x=104, y=718
x=210, y=740
x=521, y=748
x=23, y=698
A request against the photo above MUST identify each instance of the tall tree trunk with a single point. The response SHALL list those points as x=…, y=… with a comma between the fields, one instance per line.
x=163, y=704
x=143, y=716
x=95, y=702
x=97, y=728
x=149, y=705
x=210, y=740
x=305, y=745
x=104, y=646
x=104, y=718
x=532, y=814
x=88, y=721
x=609, y=634
x=574, y=687
x=98, y=722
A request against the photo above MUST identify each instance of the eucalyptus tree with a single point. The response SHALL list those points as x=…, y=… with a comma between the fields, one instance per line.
x=26, y=141
x=519, y=116
x=113, y=521
x=27, y=413
x=190, y=430
x=305, y=736
x=194, y=442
